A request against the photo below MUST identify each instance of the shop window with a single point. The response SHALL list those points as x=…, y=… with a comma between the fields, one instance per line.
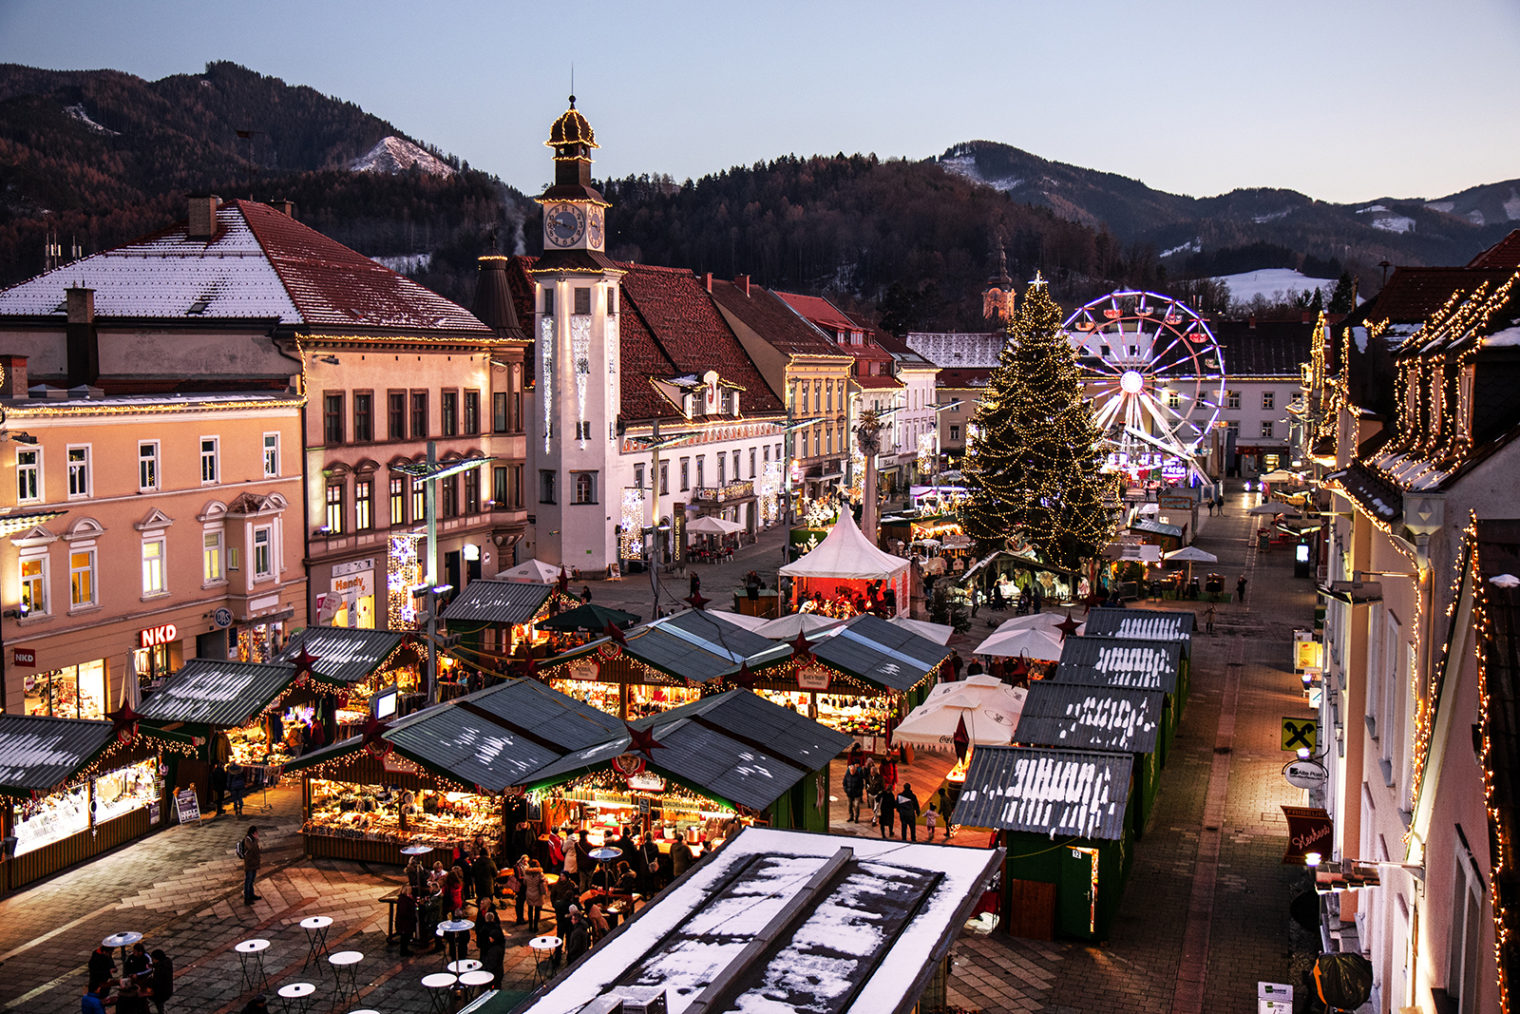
x=472, y=491
x=147, y=465
x=211, y=467
x=54, y=818
x=211, y=557
x=126, y=789
x=449, y=411
x=154, y=577
x=419, y=415
x=34, y=586
x=271, y=455
x=82, y=579
x=364, y=417
x=472, y=412
x=263, y=552
x=333, y=518
x=79, y=471
x=364, y=495
x=332, y=419
x=396, y=414
x=28, y=474
x=398, y=500
x=585, y=487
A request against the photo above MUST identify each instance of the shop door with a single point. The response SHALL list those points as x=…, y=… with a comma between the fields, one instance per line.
x=1078, y=910
x=451, y=572
x=1031, y=910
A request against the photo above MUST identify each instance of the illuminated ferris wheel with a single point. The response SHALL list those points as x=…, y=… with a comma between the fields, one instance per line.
x=1155, y=374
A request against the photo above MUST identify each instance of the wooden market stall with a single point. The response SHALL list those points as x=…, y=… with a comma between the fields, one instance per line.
x=1063, y=817
x=1130, y=664
x=376, y=673
x=72, y=789
x=838, y=576
x=499, y=617
x=1111, y=719
x=1144, y=624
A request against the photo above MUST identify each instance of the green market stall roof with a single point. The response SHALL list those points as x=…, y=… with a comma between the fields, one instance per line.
x=1050, y=792
x=38, y=754
x=1120, y=662
x=693, y=645
x=342, y=655
x=505, y=602
x=1141, y=624
x=1074, y=716
x=493, y=739
x=217, y=693
x=873, y=649
x=735, y=746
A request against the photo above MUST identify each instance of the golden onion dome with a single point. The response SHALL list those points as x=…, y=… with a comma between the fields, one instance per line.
x=571, y=128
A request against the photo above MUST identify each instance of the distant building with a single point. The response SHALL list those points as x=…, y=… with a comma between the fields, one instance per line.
x=1263, y=363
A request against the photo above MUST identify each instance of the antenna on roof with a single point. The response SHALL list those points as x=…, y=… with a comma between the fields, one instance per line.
x=572, y=84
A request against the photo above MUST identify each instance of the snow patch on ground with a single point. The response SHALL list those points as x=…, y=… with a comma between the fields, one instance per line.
x=1273, y=283
x=406, y=264
x=1441, y=206
x=78, y=112
x=965, y=167
x=395, y=155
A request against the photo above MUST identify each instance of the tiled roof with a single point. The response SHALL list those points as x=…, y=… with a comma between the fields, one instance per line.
x=1271, y=348
x=1047, y=792
x=260, y=264
x=959, y=349
x=773, y=320
x=1379, y=497
x=967, y=377
x=820, y=311
x=1413, y=294
x=1503, y=254
x=877, y=383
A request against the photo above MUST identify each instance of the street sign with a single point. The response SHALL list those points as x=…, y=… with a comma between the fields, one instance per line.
x=1299, y=733
x=1305, y=774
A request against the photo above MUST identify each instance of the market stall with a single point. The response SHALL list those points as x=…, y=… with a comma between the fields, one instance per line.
x=498, y=618
x=661, y=664
x=376, y=672
x=71, y=789
x=845, y=573
x=1156, y=666
x=1063, y=817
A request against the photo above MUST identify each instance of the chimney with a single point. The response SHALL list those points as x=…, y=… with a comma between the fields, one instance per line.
x=707, y=281
x=1303, y=318
x=202, y=216
x=742, y=282
x=81, y=337
x=1251, y=323
x=286, y=207
x=14, y=383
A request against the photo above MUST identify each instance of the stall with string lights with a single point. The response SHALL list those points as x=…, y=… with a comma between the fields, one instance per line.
x=378, y=673
x=71, y=789
x=845, y=574
x=499, y=618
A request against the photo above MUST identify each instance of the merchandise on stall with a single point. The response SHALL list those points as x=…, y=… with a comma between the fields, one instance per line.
x=127, y=789
x=389, y=813
x=52, y=818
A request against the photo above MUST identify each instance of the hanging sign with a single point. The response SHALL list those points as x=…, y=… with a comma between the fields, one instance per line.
x=645, y=781
x=584, y=669
x=1309, y=830
x=813, y=677
x=1299, y=733
x=187, y=806
x=1305, y=774
x=628, y=764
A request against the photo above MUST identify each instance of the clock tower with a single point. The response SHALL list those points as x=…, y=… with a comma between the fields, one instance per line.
x=575, y=449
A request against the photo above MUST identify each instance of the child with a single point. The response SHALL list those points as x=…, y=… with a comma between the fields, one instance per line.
x=931, y=820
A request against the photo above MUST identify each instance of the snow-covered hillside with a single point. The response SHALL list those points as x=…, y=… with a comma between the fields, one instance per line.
x=395, y=155
x=1273, y=284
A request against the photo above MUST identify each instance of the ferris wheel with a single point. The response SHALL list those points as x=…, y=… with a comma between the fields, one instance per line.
x=1155, y=374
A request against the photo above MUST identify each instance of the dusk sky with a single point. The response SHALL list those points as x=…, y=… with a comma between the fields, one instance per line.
x=1344, y=101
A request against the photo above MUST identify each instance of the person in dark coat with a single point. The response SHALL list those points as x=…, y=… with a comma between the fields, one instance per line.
x=218, y=786
x=584, y=864
x=163, y=979
x=483, y=872
x=406, y=920
x=492, y=941
x=887, y=806
x=680, y=857
x=907, y=812
x=649, y=864
x=1240, y=589
x=854, y=789
x=252, y=858
x=237, y=787
x=578, y=940
x=102, y=966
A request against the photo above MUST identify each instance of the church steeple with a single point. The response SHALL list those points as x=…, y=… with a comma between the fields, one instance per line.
x=998, y=298
x=574, y=219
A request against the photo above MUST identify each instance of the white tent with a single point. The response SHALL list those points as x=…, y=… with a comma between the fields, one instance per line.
x=989, y=707
x=939, y=633
x=708, y=525
x=846, y=554
x=533, y=572
x=1191, y=554
x=1037, y=644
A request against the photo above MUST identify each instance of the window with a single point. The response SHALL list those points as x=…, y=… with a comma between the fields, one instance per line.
x=829, y=392
x=546, y=486
x=419, y=415
x=638, y=476
x=701, y=470
x=154, y=577
x=955, y=432
x=396, y=411
x=263, y=552
x=583, y=430
x=751, y=462
x=448, y=493
x=664, y=478
x=517, y=396
x=211, y=557
x=1173, y=399
x=472, y=491
x=499, y=491
x=612, y=302
x=582, y=299
x=81, y=578
x=449, y=410
x=548, y=302
x=210, y=459
x=147, y=464
x=1266, y=428
x=817, y=396
x=34, y=585
x=499, y=412
x=817, y=442
x=517, y=485
x=685, y=474
x=1269, y=400
x=271, y=455
x=472, y=412
x=333, y=518
x=28, y=474
x=364, y=417
x=585, y=487
x=398, y=501
x=828, y=442
x=364, y=511
x=1232, y=427
x=419, y=499
x=722, y=469
x=332, y=418
x=736, y=466
x=1232, y=399
x=79, y=471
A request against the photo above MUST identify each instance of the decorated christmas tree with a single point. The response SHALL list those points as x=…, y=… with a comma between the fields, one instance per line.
x=1034, y=469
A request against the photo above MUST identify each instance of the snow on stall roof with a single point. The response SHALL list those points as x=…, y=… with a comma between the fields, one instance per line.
x=884, y=921
x=1506, y=339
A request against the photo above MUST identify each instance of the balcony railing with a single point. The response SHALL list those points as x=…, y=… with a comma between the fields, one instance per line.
x=724, y=494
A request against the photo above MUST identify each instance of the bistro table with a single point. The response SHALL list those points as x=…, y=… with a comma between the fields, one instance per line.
x=543, y=948
x=122, y=940
x=251, y=955
x=452, y=926
x=345, y=970
x=297, y=996
x=603, y=856
x=464, y=965
x=476, y=981
x=416, y=850
x=439, y=985
x=316, y=937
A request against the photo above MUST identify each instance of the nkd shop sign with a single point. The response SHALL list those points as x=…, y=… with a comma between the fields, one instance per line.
x=152, y=637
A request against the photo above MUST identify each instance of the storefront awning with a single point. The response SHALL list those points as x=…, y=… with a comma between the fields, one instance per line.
x=1120, y=662
x=1080, y=717
x=343, y=655
x=217, y=693
x=504, y=602
x=875, y=650
x=1047, y=792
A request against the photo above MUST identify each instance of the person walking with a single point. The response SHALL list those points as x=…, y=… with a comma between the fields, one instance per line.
x=649, y=850
x=931, y=821
x=519, y=896
x=578, y=939
x=854, y=788
x=1240, y=589
x=163, y=979
x=907, y=812
x=873, y=789
x=218, y=786
x=572, y=859
x=1208, y=619
x=886, y=808
x=237, y=787
x=583, y=861
x=102, y=966
x=483, y=870
x=532, y=890
x=406, y=919
x=252, y=858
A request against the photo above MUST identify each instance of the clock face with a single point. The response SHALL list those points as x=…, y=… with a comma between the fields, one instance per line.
x=594, y=229
x=564, y=224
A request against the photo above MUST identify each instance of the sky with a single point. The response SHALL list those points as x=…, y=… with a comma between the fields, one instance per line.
x=1345, y=101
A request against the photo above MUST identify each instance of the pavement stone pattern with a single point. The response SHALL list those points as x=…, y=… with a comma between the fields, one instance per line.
x=182, y=887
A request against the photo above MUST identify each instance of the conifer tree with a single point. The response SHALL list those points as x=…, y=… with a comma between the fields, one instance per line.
x=1034, y=471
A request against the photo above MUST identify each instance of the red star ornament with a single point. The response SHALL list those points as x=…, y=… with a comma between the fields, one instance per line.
x=1067, y=626
x=802, y=651
x=612, y=631
x=305, y=662
x=124, y=722
x=697, y=600
x=745, y=677
x=374, y=738
x=643, y=741
x=962, y=739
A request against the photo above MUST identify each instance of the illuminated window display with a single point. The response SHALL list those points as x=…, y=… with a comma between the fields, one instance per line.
x=853, y=715
x=75, y=691
x=53, y=818
x=126, y=789
x=404, y=816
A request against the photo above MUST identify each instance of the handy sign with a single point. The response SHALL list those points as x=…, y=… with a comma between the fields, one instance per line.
x=24, y=656
x=813, y=677
x=187, y=806
x=1299, y=734
x=154, y=636
x=1305, y=774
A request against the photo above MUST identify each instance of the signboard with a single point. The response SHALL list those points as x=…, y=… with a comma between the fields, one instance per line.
x=1274, y=998
x=154, y=636
x=153, y=813
x=813, y=677
x=1308, y=655
x=1309, y=830
x=187, y=806
x=222, y=617
x=1299, y=733
x=1305, y=774
x=645, y=781
x=24, y=656
x=584, y=669
x=628, y=764
x=678, y=532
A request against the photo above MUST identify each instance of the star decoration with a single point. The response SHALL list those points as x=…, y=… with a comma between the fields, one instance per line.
x=1067, y=626
x=962, y=739
x=697, y=600
x=612, y=631
x=643, y=741
x=124, y=722
x=802, y=651
x=374, y=737
x=305, y=662
x=745, y=677
x=1038, y=281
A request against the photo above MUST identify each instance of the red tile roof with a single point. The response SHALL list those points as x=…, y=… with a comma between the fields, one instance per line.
x=1503, y=254
x=335, y=287
x=773, y=320
x=820, y=311
x=1413, y=294
x=963, y=377
x=877, y=382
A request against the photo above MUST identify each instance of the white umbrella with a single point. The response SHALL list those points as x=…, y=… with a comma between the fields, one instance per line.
x=1037, y=644
x=989, y=707
x=1192, y=554
x=707, y=525
x=786, y=628
x=1279, y=476
x=741, y=620
x=533, y=572
x=1032, y=621
x=1271, y=507
x=939, y=633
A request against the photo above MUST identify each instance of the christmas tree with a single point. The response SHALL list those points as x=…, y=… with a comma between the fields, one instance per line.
x=1034, y=470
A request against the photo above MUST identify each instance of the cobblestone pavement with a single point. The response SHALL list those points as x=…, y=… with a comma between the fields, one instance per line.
x=1204, y=915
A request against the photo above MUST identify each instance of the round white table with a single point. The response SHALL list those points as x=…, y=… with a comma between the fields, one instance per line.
x=476, y=981
x=251, y=956
x=297, y=996
x=122, y=940
x=414, y=850
x=453, y=926
x=543, y=949
x=439, y=986
x=345, y=966
x=463, y=965
x=316, y=937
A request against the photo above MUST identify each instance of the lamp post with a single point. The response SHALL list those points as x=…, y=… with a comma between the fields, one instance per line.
x=430, y=472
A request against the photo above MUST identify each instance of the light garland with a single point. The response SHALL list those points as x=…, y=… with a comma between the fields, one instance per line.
x=580, y=357
x=546, y=376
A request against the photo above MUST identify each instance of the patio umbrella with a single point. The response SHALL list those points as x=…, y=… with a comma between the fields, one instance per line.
x=786, y=628
x=939, y=633
x=707, y=525
x=987, y=708
x=1046, y=622
x=1036, y=643
x=1191, y=555
x=1276, y=509
x=1278, y=477
x=589, y=616
x=533, y=572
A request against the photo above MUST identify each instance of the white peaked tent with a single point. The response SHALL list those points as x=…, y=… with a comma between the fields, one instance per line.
x=532, y=572
x=989, y=707
x=847, y=558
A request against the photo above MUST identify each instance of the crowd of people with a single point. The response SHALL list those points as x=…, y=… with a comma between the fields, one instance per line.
x=145, y=978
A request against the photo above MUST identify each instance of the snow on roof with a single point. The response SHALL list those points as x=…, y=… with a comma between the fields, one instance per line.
x=1042, y=791
x=867, y=939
